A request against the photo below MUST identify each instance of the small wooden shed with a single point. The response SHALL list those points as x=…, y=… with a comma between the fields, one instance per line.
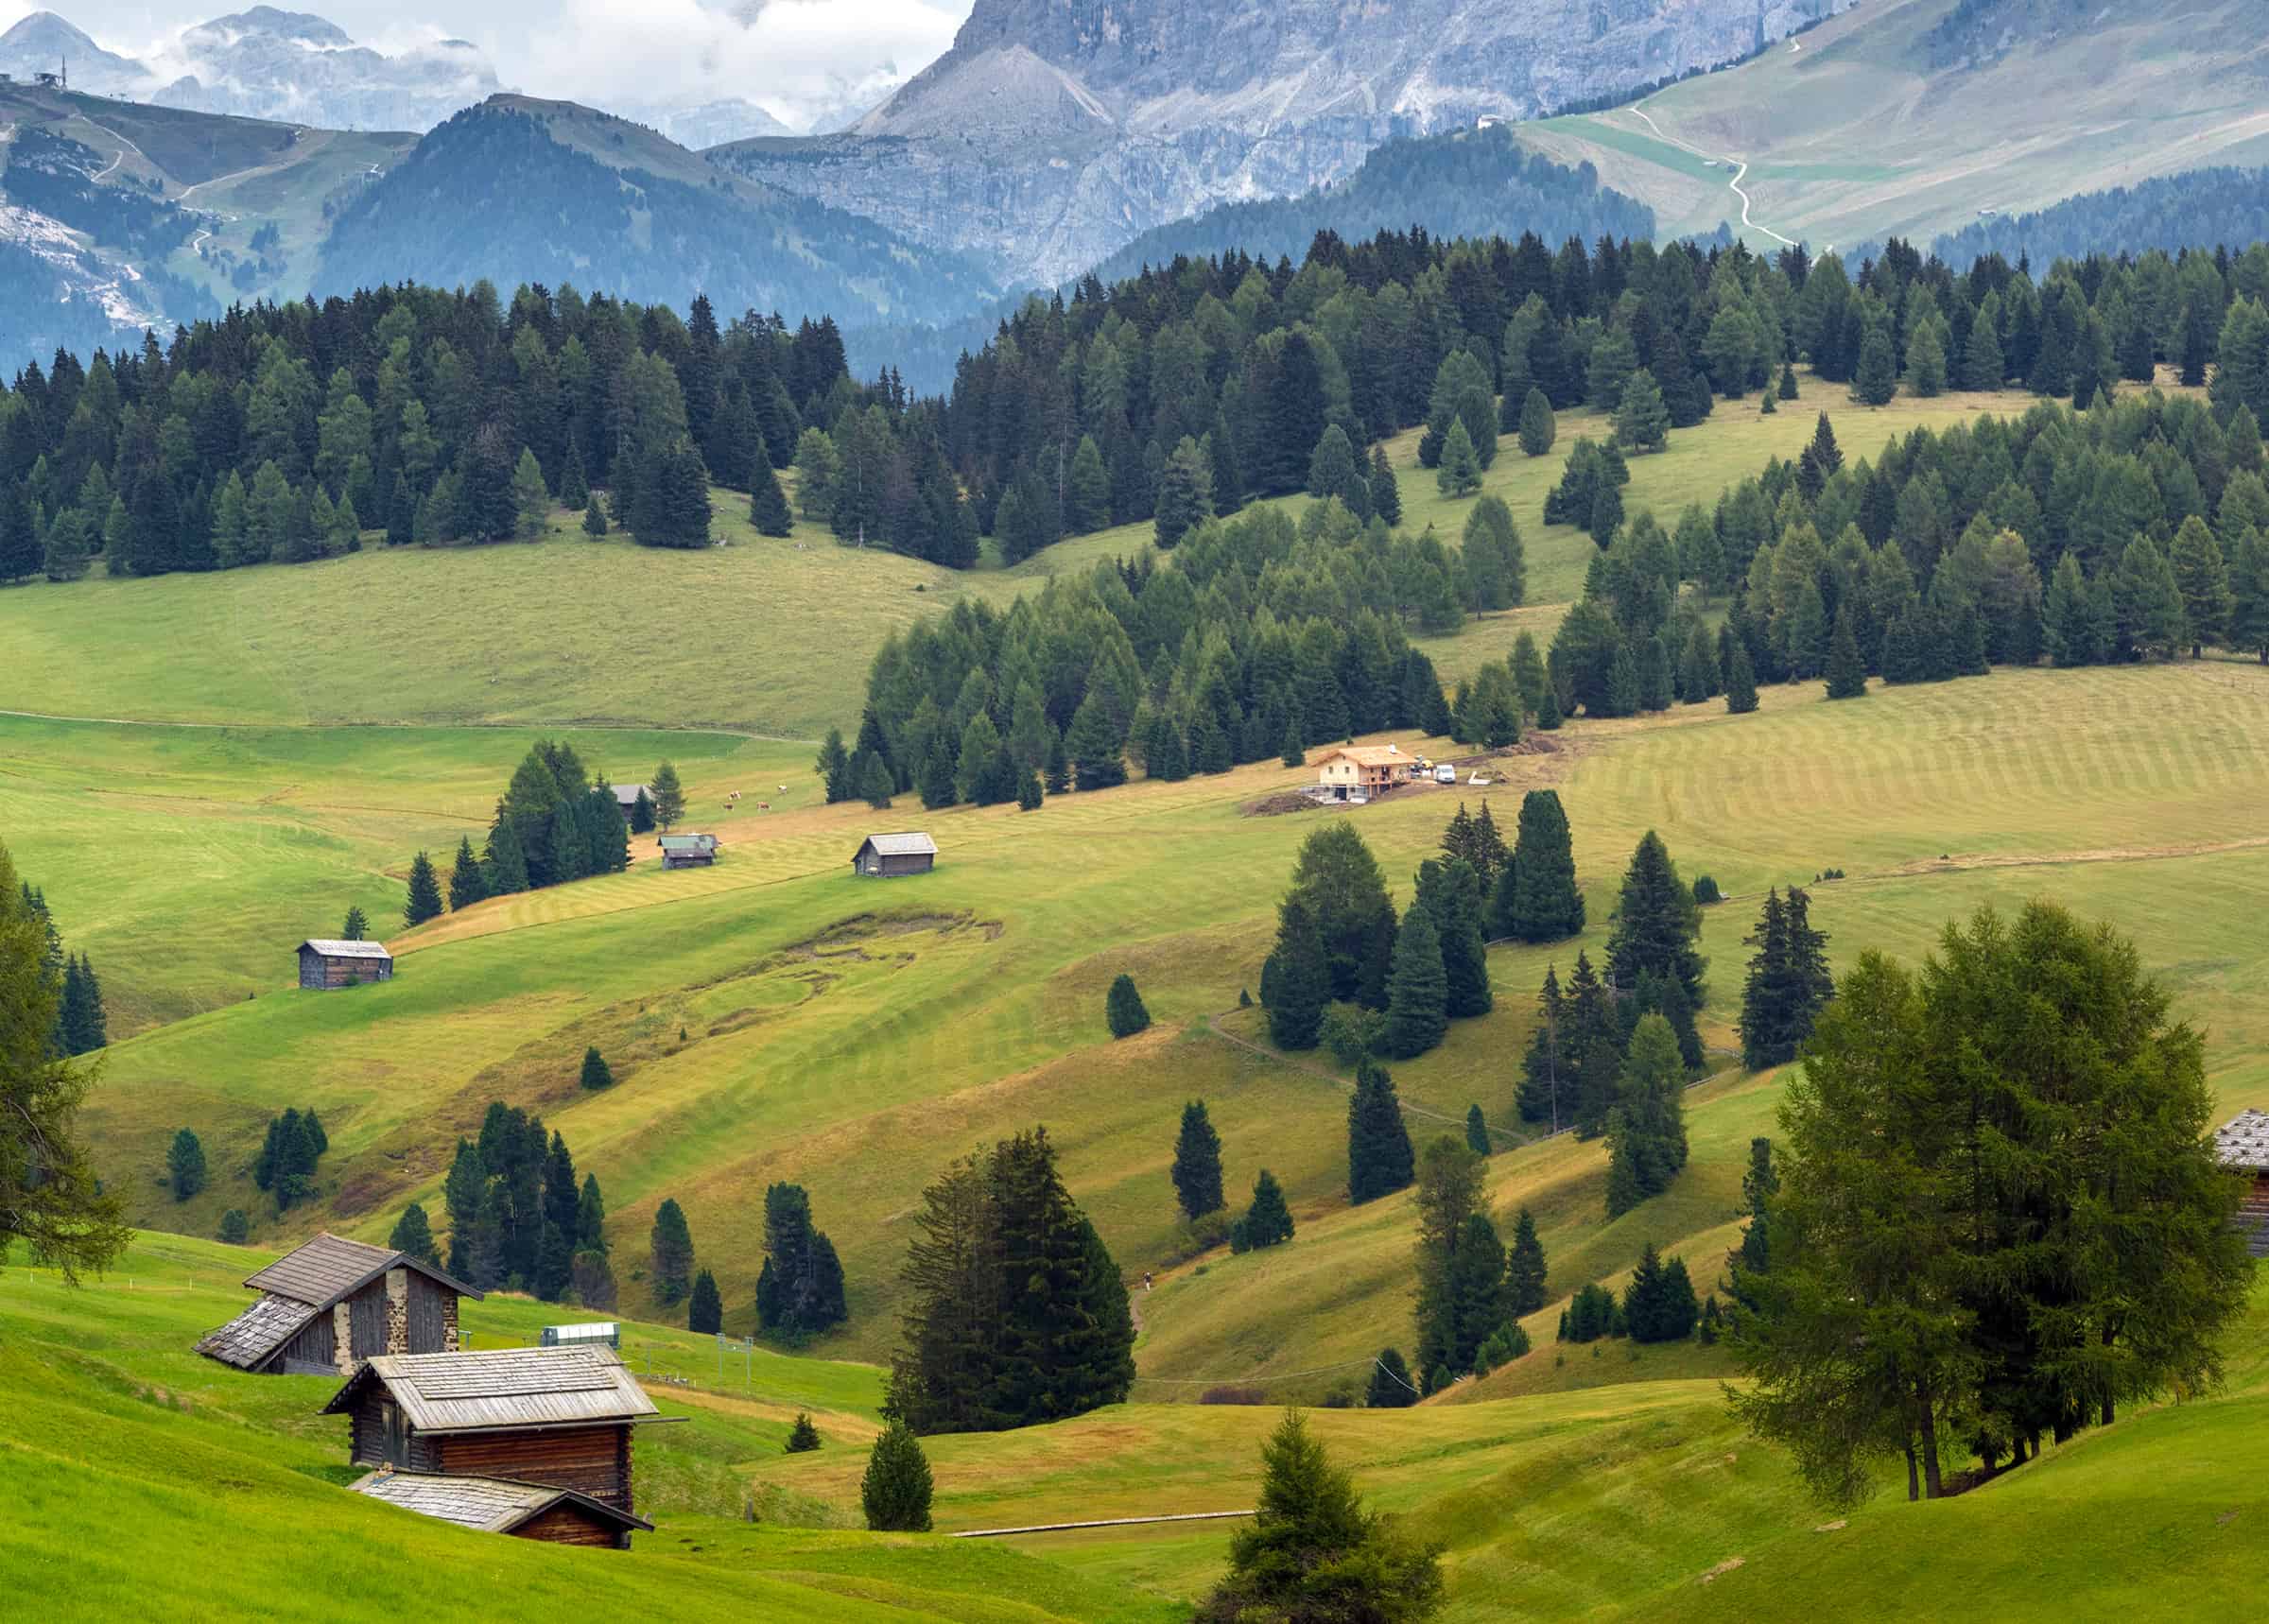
x=888, y=857
x=559, y=1417
x=687, y=851
x=501, y=1506
x=2242, y=1145
x=327, y=1306
x=327, y=963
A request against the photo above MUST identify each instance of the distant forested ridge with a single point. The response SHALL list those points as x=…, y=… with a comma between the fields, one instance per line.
x=1469, y=184
x=2173, y=212
x=287, y=432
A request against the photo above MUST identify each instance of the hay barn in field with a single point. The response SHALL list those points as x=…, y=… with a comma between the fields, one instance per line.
x=555, y=1418
x=327, y=1306
x=687, y=851
x=2243, y=1144
x=889, y=856
x=327, y=963
x=626, y=797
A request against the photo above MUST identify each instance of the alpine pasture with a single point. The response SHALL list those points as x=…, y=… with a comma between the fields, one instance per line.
x=774, y=1018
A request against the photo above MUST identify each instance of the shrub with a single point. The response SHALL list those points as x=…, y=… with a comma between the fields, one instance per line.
x=1505, y=1344
x=1351, y=1031
x=233, y=1227
x=1124, y=1010
x=1705, y=891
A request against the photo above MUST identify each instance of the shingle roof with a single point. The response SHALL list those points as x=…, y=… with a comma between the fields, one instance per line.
x=628, y=793
x=1369, y=756
x=331, y=949
x=908, y=845
x=323, y=1271
x=510, y=1387
x=2243, y=1140
x=688, y=842
x=252, y=1339
x=487, y=1505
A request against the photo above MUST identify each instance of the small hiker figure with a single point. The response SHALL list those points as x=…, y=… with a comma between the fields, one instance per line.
x=1146, y=1279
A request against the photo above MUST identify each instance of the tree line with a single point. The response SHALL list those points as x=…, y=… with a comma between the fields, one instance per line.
x=289, y=432
x=80, y=1025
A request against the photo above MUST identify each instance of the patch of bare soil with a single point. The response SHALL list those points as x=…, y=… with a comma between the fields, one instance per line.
x=1278, y=805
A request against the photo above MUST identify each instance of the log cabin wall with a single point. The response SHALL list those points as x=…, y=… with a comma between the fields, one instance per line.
x=594, y=1459
x=572, y=1525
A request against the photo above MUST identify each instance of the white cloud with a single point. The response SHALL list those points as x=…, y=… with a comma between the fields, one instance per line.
x=797, y=59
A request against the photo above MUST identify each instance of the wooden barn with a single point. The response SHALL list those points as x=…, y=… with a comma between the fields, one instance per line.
x=888, y=857
x=687, y=851
x=326, y=1307
x=2243, y=1144
x=556, y=1417
x=326, y=963
x=500, y=1506
x=626, y=797
x=1359, y=772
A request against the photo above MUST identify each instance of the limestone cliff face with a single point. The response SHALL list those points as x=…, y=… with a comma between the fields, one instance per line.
x=1056, y=130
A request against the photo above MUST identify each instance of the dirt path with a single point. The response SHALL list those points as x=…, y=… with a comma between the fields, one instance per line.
x=1741, y=170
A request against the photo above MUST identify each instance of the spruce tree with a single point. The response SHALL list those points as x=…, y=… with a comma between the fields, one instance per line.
x=895, y=1489
x=874, y=785
x=1390, y=1385
x=425, y=893
x=671, y=1255
x=467, y=883
x=1417, y=991
x=1741, y=681
x=185, y=1166
x=1647, y=1128
x=234, y=1229
x=1379, y=1159
x=1302, y=982
x=595, y=1073
x=1877, y=380
x=1657, y=923
x=1846, y=671
x=356, y=927
x=1642, y=421
x=1477, y=1131
x=1386, y=492
x=1548, y=1060
x=1267, y=1222
x=1451, y=894
x=1122, y=1008
x=1537, y=898
x=1788, y=381
x=1197, y=1170
x=1538, y=428
x=668, y=797
x=595, y=517
x=704, y=1309
x=414, y=1236
x=1460, y=474
x=767, y=505
x=803, y=1438
x=1524, y=1267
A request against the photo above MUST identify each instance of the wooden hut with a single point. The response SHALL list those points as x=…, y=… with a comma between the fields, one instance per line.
x=888, y=857
x=1359, y=772
x=626, y=797
x=687, y=851
x=327, y=1306
x=501, y=1506
x=2242, y=1145
x=556, y=1417
x=327, y=963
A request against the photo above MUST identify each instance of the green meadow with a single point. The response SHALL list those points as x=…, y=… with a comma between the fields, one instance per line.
x=283, y=739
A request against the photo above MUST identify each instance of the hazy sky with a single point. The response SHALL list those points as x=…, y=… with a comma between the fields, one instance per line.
x=788, y=55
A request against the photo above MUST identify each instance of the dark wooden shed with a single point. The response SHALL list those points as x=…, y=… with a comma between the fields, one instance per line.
x=559, y=1417
x=327, y=963
x=501, y=1506
x=2242, y=1145
x=329, y=1304
x=687, y=851
x=888, y=857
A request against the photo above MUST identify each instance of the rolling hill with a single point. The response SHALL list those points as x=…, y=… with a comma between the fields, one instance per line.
x=1916, y=117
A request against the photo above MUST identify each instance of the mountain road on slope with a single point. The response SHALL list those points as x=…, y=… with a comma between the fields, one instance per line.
x=1740, y=170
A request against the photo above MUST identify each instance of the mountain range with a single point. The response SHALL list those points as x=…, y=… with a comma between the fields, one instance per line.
x=1055, y=130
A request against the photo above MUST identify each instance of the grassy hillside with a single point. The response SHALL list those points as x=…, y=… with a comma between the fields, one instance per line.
x=767, y=1022
x=1855, y=133
x=150, y=1477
